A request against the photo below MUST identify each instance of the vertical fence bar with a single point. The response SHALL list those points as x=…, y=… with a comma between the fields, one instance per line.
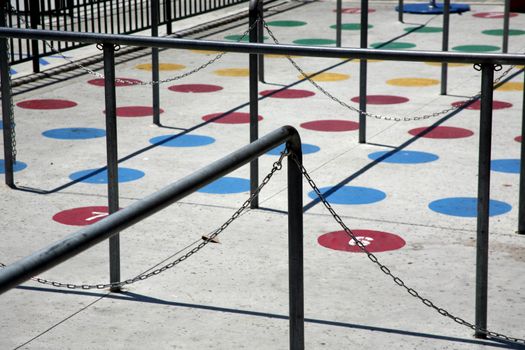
x=338, y=20
x=169, y=27
x=6, y=104
x=506, y=16
x=254, y=101
x=363, y=71
x=260, y=39
x=155, y=62
x=444, y=47
x=482, y=244
x=34, y=18
x=295, y=245
x=521, y=212
x=400, y=7
x=112, y=158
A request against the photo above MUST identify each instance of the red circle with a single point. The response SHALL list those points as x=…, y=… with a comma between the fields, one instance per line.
x=354, y=10
x=382, y=99
x=374, y=241
x=135, y=111
x=46, y=104
x=476, y=105
x=288, y=93
x=195, y=88
x=442, y=132
x=230, y=118
x=118, y=82
x=331, y=125
x=518, y=138
x=494, y=14
x=82, y=216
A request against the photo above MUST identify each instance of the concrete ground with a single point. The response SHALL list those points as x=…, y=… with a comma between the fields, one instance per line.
x=414, y=209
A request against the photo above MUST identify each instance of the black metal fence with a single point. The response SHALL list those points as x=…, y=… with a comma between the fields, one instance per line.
x=94, y=16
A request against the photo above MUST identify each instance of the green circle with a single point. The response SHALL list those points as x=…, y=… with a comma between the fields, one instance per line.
x=237, y=37
x=424, y=29
x=476, y=48
x=499, y=32
x=350, y=26
x=286, y=23
x=393, y=45
x=314, y=41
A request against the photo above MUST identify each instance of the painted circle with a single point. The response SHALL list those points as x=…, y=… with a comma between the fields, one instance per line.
x=227, y=185
x=476, y=48
x=238, y=37
x=424, y=29
x=381, y=99
x=74, y=133
x=394, y=45
x=510, y=166
x=518, y=138
x=442, y=132
x=325, y=76
x=197, y=88
x=46, y=104
x=403, y=157
x=232, y=72
x=412, y=82
x=305, y=147
x=467, y=207
x=350, y=26
x=499, y=32
x=374, y=241
x=332, y=125
x=17, y=166
x=101, y=177
x=286, y=23
x=229, y=118
x=476, y=105
x=511, y=86
x=82, y=216
x=314, y=41
x=182, y=140
x=493, y=15
x=162, y=66
x=135, y=111
x=118, y=82
x=350, y=195
x=288, y=93
x=1, y=124
x=354, y=10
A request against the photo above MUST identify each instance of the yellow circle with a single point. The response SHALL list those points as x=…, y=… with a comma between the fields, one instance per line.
x=206, y=52
x=232, y=72
x=326, y=76
x=412, y=82
x=279, y=56
x=511, y=86
x=162, y=66
x=438, y=64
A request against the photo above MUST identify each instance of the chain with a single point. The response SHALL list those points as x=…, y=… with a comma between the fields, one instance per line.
x=12, y=107
x=372, y=115
x=387, y=271
x=145, y=275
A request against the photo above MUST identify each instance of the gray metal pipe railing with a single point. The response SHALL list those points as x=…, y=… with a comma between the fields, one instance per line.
x=46, y=258
x=254, y=97
x=363, y=71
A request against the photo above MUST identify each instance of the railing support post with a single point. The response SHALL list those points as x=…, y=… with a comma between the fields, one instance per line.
x=444, y=47
x=155, y=62
x=112, y=158
x=363, y=72
x=482, y=243
x=6, y=105
x=506, y=16
x=521, y=212
x=169, y=27
x=295, y=245
x=338, y=21
x=254, y=101
x=34, y=19
x=260, y=39
x=400, y=6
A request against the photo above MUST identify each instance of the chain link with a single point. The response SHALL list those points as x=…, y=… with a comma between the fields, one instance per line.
x=11, y=104
x=205, y=241
x=372, y=115
x=397, y=280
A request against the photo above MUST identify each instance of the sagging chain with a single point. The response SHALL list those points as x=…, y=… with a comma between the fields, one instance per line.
x=11, y=104
x=373, y=115
x=203, y=242
x=397, y=280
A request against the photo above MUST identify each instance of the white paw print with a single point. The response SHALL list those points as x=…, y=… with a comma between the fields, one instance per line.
x=363, y=239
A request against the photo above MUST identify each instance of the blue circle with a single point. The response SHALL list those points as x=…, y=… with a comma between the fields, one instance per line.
x=182, y=140
x=305, y=147
x=511, y=166
x=226, y=185
x=17, y=166
x=1, y=125
x=350, y=195
x=74, y=133
x=101, y=177
x=467, y=207
x=404, y=157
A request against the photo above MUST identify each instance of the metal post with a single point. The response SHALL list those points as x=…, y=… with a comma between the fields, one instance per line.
x=400, y=7
x=260, y=39
x=362, y=72
x=338, y=21
x=482, y=244
x=254, y=102
x=112, y=158
x=169, y=28
x=505, y=46
x=6, y=104
x=295, y=245
x=432, y=3
x=34, y=19
x=521, y=212
x=155, y=62
x=444, y=47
